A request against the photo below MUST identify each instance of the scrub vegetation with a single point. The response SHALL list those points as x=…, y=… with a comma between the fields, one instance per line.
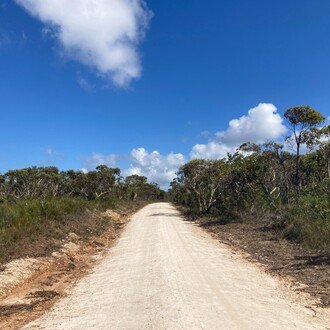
x=43, y=204
x=284, y=189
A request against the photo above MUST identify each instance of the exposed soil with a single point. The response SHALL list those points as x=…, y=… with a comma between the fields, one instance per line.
x=35, y=284
x=169, y=266
x=167, y=273
x=304, y=271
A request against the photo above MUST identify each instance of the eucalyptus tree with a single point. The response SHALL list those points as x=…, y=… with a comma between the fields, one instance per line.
x=302, y=120
x=33, y=182
x=205, y=180
x=134, y=185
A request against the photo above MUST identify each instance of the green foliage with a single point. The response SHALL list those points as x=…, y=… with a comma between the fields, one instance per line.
x=308, y=220
x=303, y=121
x=28, y=218
x=263, y=179
x=303, y=115
x=38, y=203
x=203, y=180
x=137, y=187
x=47, y=182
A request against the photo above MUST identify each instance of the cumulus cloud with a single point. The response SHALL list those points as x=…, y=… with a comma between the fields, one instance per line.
x=96, y=159
x=211, y=150
x=156, y=167
x=103, y=34
x=261, y=124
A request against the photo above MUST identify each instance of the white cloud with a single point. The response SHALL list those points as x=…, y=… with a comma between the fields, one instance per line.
x=211, y=150
x=96, y=159
x=261, y=124
x=103, y=34
x=157, y=168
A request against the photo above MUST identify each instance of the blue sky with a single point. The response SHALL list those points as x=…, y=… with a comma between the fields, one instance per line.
x=199, y=65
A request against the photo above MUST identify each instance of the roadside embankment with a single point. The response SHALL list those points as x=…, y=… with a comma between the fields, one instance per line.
x=30, y=285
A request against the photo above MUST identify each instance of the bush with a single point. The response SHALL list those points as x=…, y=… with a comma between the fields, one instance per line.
x=30, y=218
x=308, y=221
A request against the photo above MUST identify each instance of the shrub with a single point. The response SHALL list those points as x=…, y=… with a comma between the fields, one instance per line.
x=308, y=221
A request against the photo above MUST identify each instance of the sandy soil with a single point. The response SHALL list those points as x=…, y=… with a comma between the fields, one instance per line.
x=304, y=271
x=31, y=286
x=166, y=273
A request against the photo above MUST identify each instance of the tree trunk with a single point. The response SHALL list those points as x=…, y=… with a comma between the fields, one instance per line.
x=298, y=180
x=285, y=174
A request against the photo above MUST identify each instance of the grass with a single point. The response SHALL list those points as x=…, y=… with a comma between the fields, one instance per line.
x=30, y=227
x=30, y=218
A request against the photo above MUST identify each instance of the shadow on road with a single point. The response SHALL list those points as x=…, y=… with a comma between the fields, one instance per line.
x=163, y=215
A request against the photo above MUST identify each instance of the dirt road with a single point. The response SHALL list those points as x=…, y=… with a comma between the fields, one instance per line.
x=166, y=273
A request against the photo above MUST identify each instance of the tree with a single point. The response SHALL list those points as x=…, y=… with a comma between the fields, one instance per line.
x=33, y=182
x=204, y=179
x=241, y=178
x=283, y=157
x=105, y=179
x=302, y=120
x=320, y=138
x=3, y=186
x=134, y=185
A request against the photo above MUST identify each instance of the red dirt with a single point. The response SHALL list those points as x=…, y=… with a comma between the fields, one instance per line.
x=30, y=299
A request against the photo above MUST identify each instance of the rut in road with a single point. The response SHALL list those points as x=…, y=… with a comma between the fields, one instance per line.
x=166, y=273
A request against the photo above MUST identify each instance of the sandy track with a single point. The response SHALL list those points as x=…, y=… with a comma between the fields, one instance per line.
x=165, y=273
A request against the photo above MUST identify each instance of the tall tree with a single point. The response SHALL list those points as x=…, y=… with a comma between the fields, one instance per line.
x=302, y=120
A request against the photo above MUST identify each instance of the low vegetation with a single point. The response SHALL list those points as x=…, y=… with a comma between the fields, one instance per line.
x=39, y=205
x=285, y=189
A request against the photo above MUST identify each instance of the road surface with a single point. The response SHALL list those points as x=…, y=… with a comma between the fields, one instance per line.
x=166, y=273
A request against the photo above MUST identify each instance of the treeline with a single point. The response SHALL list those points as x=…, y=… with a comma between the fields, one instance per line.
x=42, y=205
x=48, y=182
x=289, y=188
